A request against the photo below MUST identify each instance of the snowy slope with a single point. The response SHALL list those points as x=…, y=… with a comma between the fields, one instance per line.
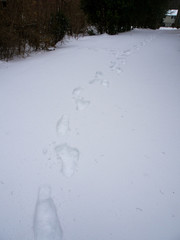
x=97, y=120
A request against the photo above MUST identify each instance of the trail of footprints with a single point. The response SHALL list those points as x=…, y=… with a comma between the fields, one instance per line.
x=120, y=58
x=67, y=156
x=46, y=222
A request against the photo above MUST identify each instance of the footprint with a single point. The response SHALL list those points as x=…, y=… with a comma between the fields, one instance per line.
x=135, y=48
x=46, y=223
x=122, y=60
x=127, y=52
x=112, y=65
x=119, y=70
x=62, y=126
x=69, y=157
x=98, y=78
x=77, y=92
x=115, y=67
x=80, y=102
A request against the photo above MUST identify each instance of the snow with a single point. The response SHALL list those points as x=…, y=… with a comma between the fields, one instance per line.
x=96, y=120
x=168, y=28
x=172, y=12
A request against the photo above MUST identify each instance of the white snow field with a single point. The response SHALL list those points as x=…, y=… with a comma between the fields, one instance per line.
x=97, y=121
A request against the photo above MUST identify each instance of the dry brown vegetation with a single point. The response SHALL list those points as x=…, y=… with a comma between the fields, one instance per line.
x=28, y=25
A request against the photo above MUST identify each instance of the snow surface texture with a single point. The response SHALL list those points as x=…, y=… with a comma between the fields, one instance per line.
x=46, y=222
x=98, y=121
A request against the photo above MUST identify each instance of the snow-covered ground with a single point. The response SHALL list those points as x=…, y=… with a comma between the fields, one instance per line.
x=90, y=140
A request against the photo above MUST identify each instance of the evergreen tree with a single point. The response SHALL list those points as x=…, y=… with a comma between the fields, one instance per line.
x=109, y=16
x=149, y=13
x=113, y=16
x=58, y=27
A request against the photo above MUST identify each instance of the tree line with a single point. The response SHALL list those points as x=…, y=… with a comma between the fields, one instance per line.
x=121, y=15
x=28, y=25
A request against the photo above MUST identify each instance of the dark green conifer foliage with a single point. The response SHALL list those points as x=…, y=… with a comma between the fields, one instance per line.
x=58, y=27
x=149, y=13
x=114, y=16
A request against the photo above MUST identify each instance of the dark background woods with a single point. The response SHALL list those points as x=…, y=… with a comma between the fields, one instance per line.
x=121, y=15
x=28, y=25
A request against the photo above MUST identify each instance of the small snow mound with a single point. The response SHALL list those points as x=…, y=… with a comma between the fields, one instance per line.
x=69, y=157
x=46, y=223
x=62, y=126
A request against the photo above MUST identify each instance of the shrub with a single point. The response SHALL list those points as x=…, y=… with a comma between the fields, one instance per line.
x=58, y=27
x=116, y=16
x=27, y=25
